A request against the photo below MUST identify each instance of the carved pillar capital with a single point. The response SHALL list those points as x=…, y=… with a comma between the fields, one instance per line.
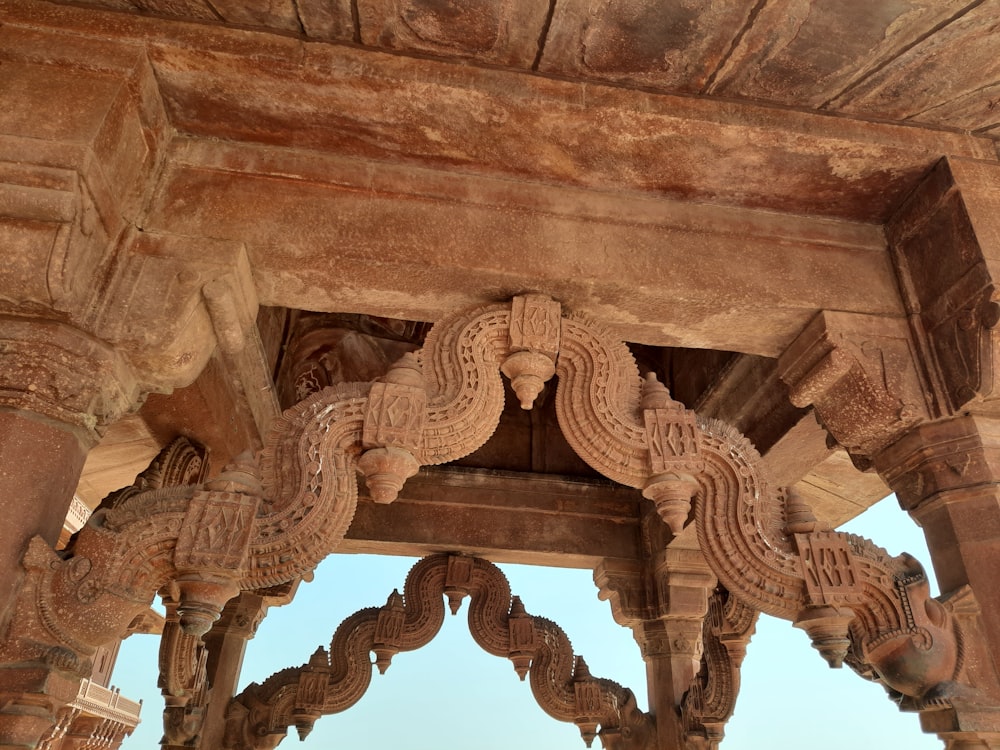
x=861, y=374
x=961, y=452
x=58, y=371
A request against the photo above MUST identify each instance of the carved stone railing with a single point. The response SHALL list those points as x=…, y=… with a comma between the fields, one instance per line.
x=98, y=717
x=333, y=682
x=108, y=703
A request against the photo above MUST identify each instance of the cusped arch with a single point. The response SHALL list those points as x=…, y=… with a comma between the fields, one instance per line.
x=334, y=680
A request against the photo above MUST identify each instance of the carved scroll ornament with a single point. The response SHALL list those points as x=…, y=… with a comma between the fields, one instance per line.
x=847, y=593
x=851, y=596
x=710, y=702
x=240, y=532
x=333, y=681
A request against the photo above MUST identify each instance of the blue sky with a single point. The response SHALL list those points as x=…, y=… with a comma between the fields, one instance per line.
x=451, y=694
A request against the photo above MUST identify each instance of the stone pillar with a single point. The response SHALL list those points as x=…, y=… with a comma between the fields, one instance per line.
x=917, y=398
x=57, y=384
x=226, y=643
x=947, y=476
x=664, y=602
x=40, y=465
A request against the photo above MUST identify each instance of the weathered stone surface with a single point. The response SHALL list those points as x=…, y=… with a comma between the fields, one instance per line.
x=676, y=46
x=855, y=57
x=508, y=517
x=40, y=465
x=811, y=52
x=503, y=33
x=438, y=247
x=160, y=179
x=957, y=69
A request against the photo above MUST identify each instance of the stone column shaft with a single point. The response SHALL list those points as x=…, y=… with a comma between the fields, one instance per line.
x=947, y=476
x=40, y=465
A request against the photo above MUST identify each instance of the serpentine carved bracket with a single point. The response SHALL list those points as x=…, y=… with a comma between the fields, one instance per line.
x=334, y=681
x=857, y=603
x=711, y=700
x=250, y=531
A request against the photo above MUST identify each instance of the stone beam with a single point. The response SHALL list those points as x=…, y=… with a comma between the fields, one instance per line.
x=505, y=517
x=235, y=84
x=748, y=394
x=421, y=243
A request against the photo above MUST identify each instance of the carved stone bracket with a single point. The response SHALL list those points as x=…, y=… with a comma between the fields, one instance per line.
x=635, y=434
x=710, y=702
x=241, y=532
x=333, y=681
x=58, y=371
x=860, y=374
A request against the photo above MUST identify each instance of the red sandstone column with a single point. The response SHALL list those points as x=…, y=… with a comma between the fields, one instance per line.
x=664, y=602
x=40, y=465
x=57, y=384
x=226, y=643
x=947, y=476
x=671, y=650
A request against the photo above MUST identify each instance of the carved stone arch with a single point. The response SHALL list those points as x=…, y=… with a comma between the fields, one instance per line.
x=244, y=531
x=332, y=681
x=848, y=594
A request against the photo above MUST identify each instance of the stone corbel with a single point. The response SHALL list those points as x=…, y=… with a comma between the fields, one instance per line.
x=58, y=371
x=861, y=375
x=332, y=682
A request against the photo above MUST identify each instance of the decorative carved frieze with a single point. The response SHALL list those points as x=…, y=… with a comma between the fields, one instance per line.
x=945, y=261
x=330, y=683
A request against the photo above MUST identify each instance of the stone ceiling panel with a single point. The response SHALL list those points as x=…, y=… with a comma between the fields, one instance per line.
x=951, y=78
x=807, y=52
x=674, y=46
x=932, y=61
x=504, y=32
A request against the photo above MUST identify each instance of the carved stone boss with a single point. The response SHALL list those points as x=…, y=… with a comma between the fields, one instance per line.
x=237, y=532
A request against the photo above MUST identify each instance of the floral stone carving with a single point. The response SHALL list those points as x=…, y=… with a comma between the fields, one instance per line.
x=333, y=681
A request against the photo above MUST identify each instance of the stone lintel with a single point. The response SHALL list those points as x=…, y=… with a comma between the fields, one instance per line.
x=486, y=119
x=423, y=242
x=503, y=517
x=513, y=123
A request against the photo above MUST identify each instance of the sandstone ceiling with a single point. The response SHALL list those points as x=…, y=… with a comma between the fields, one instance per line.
x=926, y=62
x=616, y=154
